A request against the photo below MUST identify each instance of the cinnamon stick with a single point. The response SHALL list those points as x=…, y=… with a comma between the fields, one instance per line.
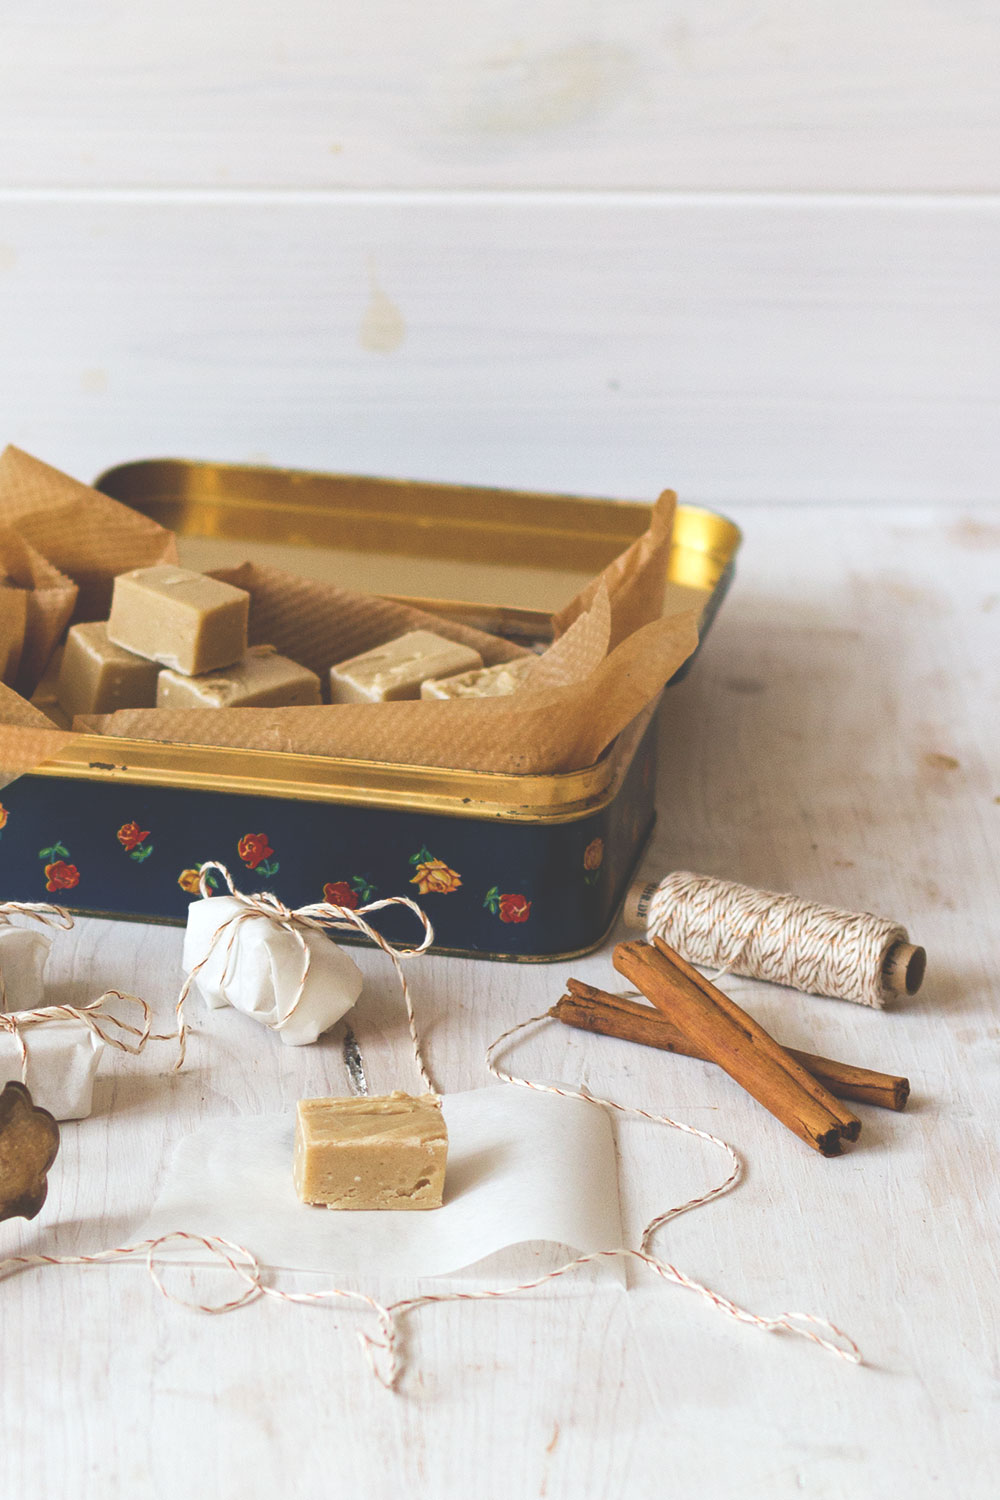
x=594, y=1010
x=734, y=1040
x=762, y=1038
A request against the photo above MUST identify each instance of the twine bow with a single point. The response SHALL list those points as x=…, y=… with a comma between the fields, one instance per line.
x=39, y=911
x=17, y=1021
x=319, y=916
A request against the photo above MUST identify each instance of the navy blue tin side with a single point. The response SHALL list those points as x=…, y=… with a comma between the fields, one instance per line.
x=492, y=887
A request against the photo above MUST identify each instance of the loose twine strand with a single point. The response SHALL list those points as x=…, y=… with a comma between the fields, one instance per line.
x=92, y=1014
x=382, y=1350
x=780, y=938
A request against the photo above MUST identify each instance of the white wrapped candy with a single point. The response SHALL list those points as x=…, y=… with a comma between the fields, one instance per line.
x=54, y=1050
x=62, y=1058
x=22, y=965
x=252, y=962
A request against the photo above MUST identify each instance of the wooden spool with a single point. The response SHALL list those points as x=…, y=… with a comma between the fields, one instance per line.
x=902, y=973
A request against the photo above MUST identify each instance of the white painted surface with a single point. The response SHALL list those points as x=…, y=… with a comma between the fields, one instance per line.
x=504, y=239
x=837, y=737
x=756, y=94
x=738, y=349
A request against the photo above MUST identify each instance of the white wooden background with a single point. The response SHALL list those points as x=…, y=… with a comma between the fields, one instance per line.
x=745, y=247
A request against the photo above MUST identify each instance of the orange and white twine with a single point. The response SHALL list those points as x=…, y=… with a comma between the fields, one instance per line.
x=320, y=916
x=382, y=1351
x=93, y=1014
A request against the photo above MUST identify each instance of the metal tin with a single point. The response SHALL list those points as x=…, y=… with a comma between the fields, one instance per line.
x=529, y=867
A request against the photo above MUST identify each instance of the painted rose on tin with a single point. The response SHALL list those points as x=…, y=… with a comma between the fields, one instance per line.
x=60, y=876
x=252, y=848
x=349, y=893
x=431, y=876
x=190, y=879
x=339, y=893
x=255, y=852
x=508, y=906
x=593, y=858
x=133, y=840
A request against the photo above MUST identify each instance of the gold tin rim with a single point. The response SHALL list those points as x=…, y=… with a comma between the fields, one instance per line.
x=211, y=499
x=551, y=797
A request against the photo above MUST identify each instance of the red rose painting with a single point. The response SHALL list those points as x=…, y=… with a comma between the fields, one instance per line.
x=253, y=849
x=339, y=893
x=60, y=876
x=514, y=909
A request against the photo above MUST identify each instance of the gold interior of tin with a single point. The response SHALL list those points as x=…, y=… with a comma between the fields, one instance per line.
x=427, y=543
x=463, y=544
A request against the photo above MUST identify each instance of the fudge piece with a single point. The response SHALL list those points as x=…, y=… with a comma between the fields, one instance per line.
x=261, y=679
x=182, y=619
x=97, y=677
x=489, y=682
x=397, y=669
x=365, y=1153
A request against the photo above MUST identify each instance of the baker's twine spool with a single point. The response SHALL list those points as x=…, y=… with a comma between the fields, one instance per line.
x=734, y=929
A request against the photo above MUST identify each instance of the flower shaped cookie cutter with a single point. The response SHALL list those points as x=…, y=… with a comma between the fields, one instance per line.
x=29, y=1141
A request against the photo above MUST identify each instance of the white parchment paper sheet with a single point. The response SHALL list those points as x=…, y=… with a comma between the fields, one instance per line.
x=521, y=1166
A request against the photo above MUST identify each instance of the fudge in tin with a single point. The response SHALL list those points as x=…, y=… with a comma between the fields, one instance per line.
x=261, y=679
x=98, y=677
x=399, y=668
x=184, y=620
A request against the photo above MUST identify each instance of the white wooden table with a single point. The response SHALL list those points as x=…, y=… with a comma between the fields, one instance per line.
x=839, y=738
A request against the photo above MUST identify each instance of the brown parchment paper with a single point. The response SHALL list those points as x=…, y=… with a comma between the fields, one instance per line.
x=49, y=599
x=82, y=533
x=635, y=579
x=13, y=624
x=318, y=623
x=535, y=730
x=27, y=737
x=613, y=653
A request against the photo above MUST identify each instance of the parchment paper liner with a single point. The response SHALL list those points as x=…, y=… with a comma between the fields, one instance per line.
x=65, y=543
x=48, y=599
x=613, y=654
x=82, y=533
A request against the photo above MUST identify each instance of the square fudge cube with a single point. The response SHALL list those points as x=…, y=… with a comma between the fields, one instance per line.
x=371, y=1153
x=490, y=682
x=397, y=669
x=98, y=677
x=184, y=620
x=260, y=679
